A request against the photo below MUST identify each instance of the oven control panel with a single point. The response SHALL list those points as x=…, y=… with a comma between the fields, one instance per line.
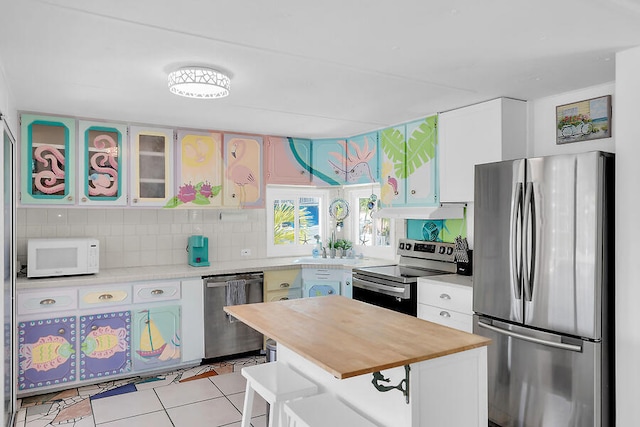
x=439, y=251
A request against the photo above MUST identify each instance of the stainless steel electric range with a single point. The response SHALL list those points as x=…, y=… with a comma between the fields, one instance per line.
x=395, y=286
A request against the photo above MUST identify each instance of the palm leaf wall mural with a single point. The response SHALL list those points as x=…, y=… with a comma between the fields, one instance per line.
x=421, y=146
x=392, y=143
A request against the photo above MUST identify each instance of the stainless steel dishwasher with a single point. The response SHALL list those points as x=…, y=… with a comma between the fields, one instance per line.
x=224, y=335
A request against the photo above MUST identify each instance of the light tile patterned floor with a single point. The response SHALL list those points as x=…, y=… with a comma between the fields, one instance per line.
x=209, y=395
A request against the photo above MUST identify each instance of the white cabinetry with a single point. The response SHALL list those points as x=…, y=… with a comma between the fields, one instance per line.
x=446, y=300
x=482, y=133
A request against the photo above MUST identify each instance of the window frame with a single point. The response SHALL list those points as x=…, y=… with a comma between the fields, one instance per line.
x=353, y=195
x=275, y=192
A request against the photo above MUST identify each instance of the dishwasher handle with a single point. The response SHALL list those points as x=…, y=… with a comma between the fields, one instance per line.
x=217, y=282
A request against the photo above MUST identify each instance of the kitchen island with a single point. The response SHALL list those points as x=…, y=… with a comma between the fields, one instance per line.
x=426, y=374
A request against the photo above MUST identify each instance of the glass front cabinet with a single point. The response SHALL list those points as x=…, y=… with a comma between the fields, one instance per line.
x=48, y=147
x=152, y=166
x=102, y=171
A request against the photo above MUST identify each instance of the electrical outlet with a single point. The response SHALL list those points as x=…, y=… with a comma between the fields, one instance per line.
x=245, y=252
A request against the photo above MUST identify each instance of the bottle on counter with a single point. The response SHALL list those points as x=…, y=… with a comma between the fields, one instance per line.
x=317, y=250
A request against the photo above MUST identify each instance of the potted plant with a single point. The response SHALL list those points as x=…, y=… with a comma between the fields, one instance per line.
x=342, y=246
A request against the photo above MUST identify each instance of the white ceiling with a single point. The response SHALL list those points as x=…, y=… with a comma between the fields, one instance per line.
x=322, y=68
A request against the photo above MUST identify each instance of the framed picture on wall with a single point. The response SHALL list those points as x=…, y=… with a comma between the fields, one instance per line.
x=584, y=120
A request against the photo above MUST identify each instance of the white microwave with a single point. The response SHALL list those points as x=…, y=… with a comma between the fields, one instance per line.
x=62, y=257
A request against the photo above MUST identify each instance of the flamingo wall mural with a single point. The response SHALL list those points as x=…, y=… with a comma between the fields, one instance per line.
x=243, y=170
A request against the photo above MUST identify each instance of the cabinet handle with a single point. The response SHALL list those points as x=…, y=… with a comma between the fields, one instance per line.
x=284, y=298
x=445, y=296
x=47, y=301
x=284, y=285
x=105, y=297
x=157, y=292
x=445, y=314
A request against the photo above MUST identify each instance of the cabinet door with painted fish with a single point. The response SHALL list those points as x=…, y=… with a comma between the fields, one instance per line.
x=46, y=352
x=105, y=344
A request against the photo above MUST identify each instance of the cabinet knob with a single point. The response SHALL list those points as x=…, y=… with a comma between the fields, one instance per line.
x=69, y=198
x=233, y=195
x=284, y=285
x=157, y=292
x=47, y=301
x=284, y=298
x=61, y=331
x=94, y=327
x=445, y=314
x=413, y=191
x=445, y=296
x=84, y=199
x=105, y=297
x=135, y=200
x=302, y=172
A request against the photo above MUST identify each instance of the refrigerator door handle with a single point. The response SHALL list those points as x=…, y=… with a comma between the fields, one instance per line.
x=559, y=345
x=515, y=266
x=529, y=241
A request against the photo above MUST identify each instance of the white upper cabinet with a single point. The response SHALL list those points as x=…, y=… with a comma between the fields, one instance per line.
x=482, y=133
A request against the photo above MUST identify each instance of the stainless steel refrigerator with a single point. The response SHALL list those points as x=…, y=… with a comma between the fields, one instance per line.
x=543, y=288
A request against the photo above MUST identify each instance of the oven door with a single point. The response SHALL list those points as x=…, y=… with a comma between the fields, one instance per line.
x=396, y=297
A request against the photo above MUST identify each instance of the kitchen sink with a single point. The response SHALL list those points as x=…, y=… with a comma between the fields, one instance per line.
x=343, y=261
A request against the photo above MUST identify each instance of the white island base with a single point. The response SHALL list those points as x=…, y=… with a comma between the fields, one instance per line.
x=445, y=391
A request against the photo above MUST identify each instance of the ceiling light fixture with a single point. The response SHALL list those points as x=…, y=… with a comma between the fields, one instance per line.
x=199, y=82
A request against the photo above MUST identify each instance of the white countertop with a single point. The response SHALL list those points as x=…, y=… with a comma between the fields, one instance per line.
x=453, y=279
x=164, y=272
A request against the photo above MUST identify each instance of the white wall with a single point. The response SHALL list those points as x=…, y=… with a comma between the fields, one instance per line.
x=628, y=235
x=7, y=107
x=131, y=237
x=542, y=123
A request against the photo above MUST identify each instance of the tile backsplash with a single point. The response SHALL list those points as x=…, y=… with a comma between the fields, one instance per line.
x=146, y=237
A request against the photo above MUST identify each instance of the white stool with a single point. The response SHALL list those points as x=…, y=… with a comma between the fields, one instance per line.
x=276, y=383
x=323, y=410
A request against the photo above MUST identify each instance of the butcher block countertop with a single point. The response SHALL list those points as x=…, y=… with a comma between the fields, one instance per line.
x=348, y=338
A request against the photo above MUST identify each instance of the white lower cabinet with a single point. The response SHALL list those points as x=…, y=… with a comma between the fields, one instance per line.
x=446, y=300
x=72, y=335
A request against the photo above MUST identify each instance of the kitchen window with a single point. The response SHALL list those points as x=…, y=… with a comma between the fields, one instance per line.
x=296, y=218
x=372, y=236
